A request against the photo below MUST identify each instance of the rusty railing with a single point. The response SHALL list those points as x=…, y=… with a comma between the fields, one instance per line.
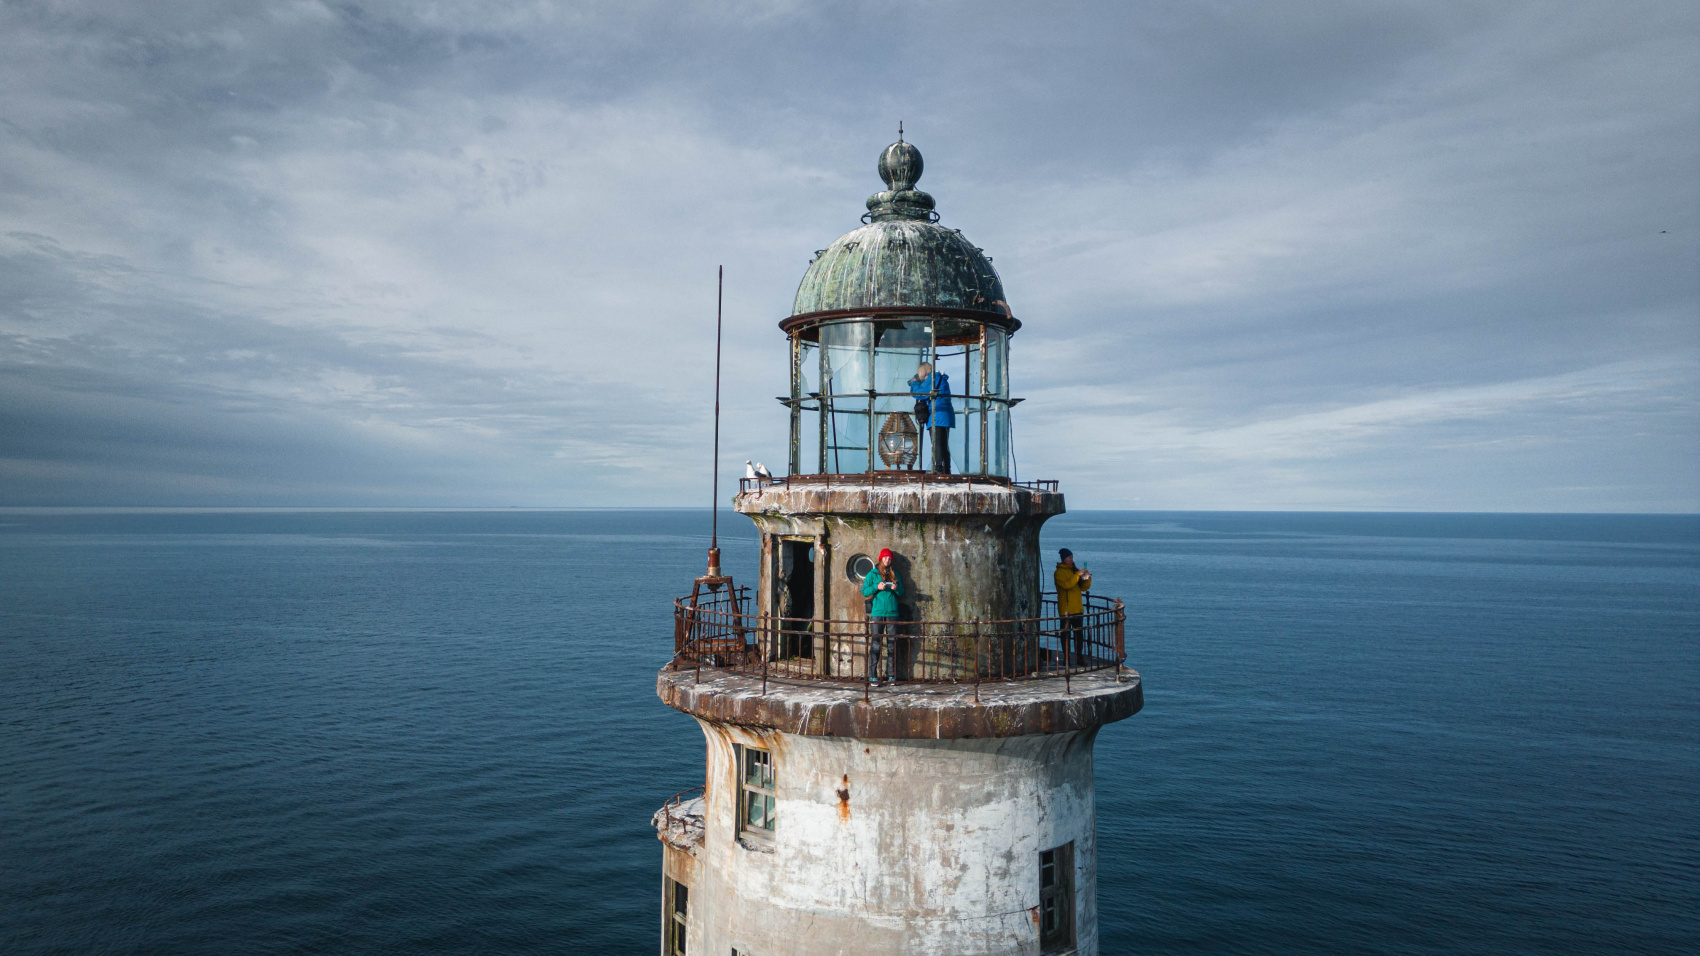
x=669, y=810
x=717, y=633
x=673, y=826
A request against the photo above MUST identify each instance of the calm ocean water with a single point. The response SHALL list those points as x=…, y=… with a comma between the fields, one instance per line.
x=438, y=733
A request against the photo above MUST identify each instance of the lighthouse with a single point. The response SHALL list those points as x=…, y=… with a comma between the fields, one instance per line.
x=876, y=784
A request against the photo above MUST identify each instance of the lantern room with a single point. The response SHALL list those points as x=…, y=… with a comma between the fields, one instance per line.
x=900, y=344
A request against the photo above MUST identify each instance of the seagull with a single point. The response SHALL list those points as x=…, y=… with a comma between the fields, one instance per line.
x=762, y=472
x=749, y=470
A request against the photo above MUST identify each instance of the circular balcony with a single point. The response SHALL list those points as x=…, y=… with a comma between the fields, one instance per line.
x=715, y=632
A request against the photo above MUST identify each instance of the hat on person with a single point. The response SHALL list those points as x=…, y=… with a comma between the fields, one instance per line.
x=885, y=553
x=1064, y=553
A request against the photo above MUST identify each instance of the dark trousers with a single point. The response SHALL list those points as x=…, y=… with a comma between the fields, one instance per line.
x=882, y=637
x=1074, y=635
x=941, y=450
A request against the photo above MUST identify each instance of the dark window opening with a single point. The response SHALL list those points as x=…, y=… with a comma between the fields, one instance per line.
x=1056, y=899
x=675, y=903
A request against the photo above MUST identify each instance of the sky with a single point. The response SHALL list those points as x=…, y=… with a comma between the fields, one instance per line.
x=1314, y=255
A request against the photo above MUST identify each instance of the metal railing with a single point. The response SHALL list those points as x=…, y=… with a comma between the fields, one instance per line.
x=669, y=812
x=670, y=816
x=717, y=633
x=887, y=477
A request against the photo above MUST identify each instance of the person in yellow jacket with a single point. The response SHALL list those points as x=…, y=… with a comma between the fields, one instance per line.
x=1071, y=606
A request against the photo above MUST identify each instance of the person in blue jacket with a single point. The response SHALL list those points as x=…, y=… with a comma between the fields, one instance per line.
x=885, y=587
x=932, y=406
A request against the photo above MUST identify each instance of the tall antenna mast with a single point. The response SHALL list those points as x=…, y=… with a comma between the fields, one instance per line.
x=714, y=526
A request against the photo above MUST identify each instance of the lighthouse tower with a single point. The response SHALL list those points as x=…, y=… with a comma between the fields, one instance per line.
x=923, y=792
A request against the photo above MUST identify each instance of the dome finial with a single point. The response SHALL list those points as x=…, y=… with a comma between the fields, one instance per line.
x=900, y=166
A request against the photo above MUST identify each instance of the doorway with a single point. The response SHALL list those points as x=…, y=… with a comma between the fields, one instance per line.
x=795, y=599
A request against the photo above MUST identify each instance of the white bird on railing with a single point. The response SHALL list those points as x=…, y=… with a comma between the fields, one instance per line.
x=749, y=470
x=762, y=472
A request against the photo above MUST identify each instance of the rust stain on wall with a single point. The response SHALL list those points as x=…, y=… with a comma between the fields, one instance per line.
x=844, y=800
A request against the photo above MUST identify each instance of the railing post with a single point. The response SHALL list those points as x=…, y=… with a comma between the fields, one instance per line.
x=979, y=652
x=1121, y=636
x=867, y=662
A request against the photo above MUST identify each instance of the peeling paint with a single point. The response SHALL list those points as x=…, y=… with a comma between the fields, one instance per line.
x=952, y=569
x=941, y=856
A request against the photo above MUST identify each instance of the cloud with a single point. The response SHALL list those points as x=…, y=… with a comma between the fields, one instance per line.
x=374, y=253
x=1409, y=451
x=1326, y=434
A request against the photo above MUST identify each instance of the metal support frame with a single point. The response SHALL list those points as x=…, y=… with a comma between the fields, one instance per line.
x=967, y=372
x=873, y=391
x=795, y=460
x=932, y=394
x=985, y=406
x=824, y=400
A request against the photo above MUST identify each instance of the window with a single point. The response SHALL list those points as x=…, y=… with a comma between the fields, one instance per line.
x=674, y=903
x=755, y=792
x=1056, y=898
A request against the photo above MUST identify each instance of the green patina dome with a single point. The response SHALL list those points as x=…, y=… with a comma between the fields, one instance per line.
x=903, y=256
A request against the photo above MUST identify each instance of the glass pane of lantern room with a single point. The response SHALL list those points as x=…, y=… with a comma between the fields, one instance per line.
x=973, y=404
x=845, y=377
x=901, y=348
x=997, y=362
x=806, y=419
x=997, y=440
x=985, y=419
x=997, y=394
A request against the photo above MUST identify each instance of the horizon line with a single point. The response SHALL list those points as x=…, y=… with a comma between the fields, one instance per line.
x=485, y=509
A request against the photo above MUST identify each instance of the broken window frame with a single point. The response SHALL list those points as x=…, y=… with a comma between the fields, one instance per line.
x=675, y=912
x=762, y=792
x=1056, y=899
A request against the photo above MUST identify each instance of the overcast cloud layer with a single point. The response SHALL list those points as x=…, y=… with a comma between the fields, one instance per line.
x=1311, y=255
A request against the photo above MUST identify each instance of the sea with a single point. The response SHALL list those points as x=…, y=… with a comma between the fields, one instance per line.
x=234, y=732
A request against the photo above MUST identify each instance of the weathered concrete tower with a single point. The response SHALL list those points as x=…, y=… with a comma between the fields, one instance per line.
x=948, y=809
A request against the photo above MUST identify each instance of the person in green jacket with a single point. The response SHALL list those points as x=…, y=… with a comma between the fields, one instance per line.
x=885, y=587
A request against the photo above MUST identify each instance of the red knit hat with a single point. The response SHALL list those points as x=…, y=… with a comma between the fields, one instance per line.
x=885, y=553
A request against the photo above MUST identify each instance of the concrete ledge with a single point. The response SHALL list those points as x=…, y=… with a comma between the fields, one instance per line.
x=682, y=827
x=967, y=499
x=920, y=711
